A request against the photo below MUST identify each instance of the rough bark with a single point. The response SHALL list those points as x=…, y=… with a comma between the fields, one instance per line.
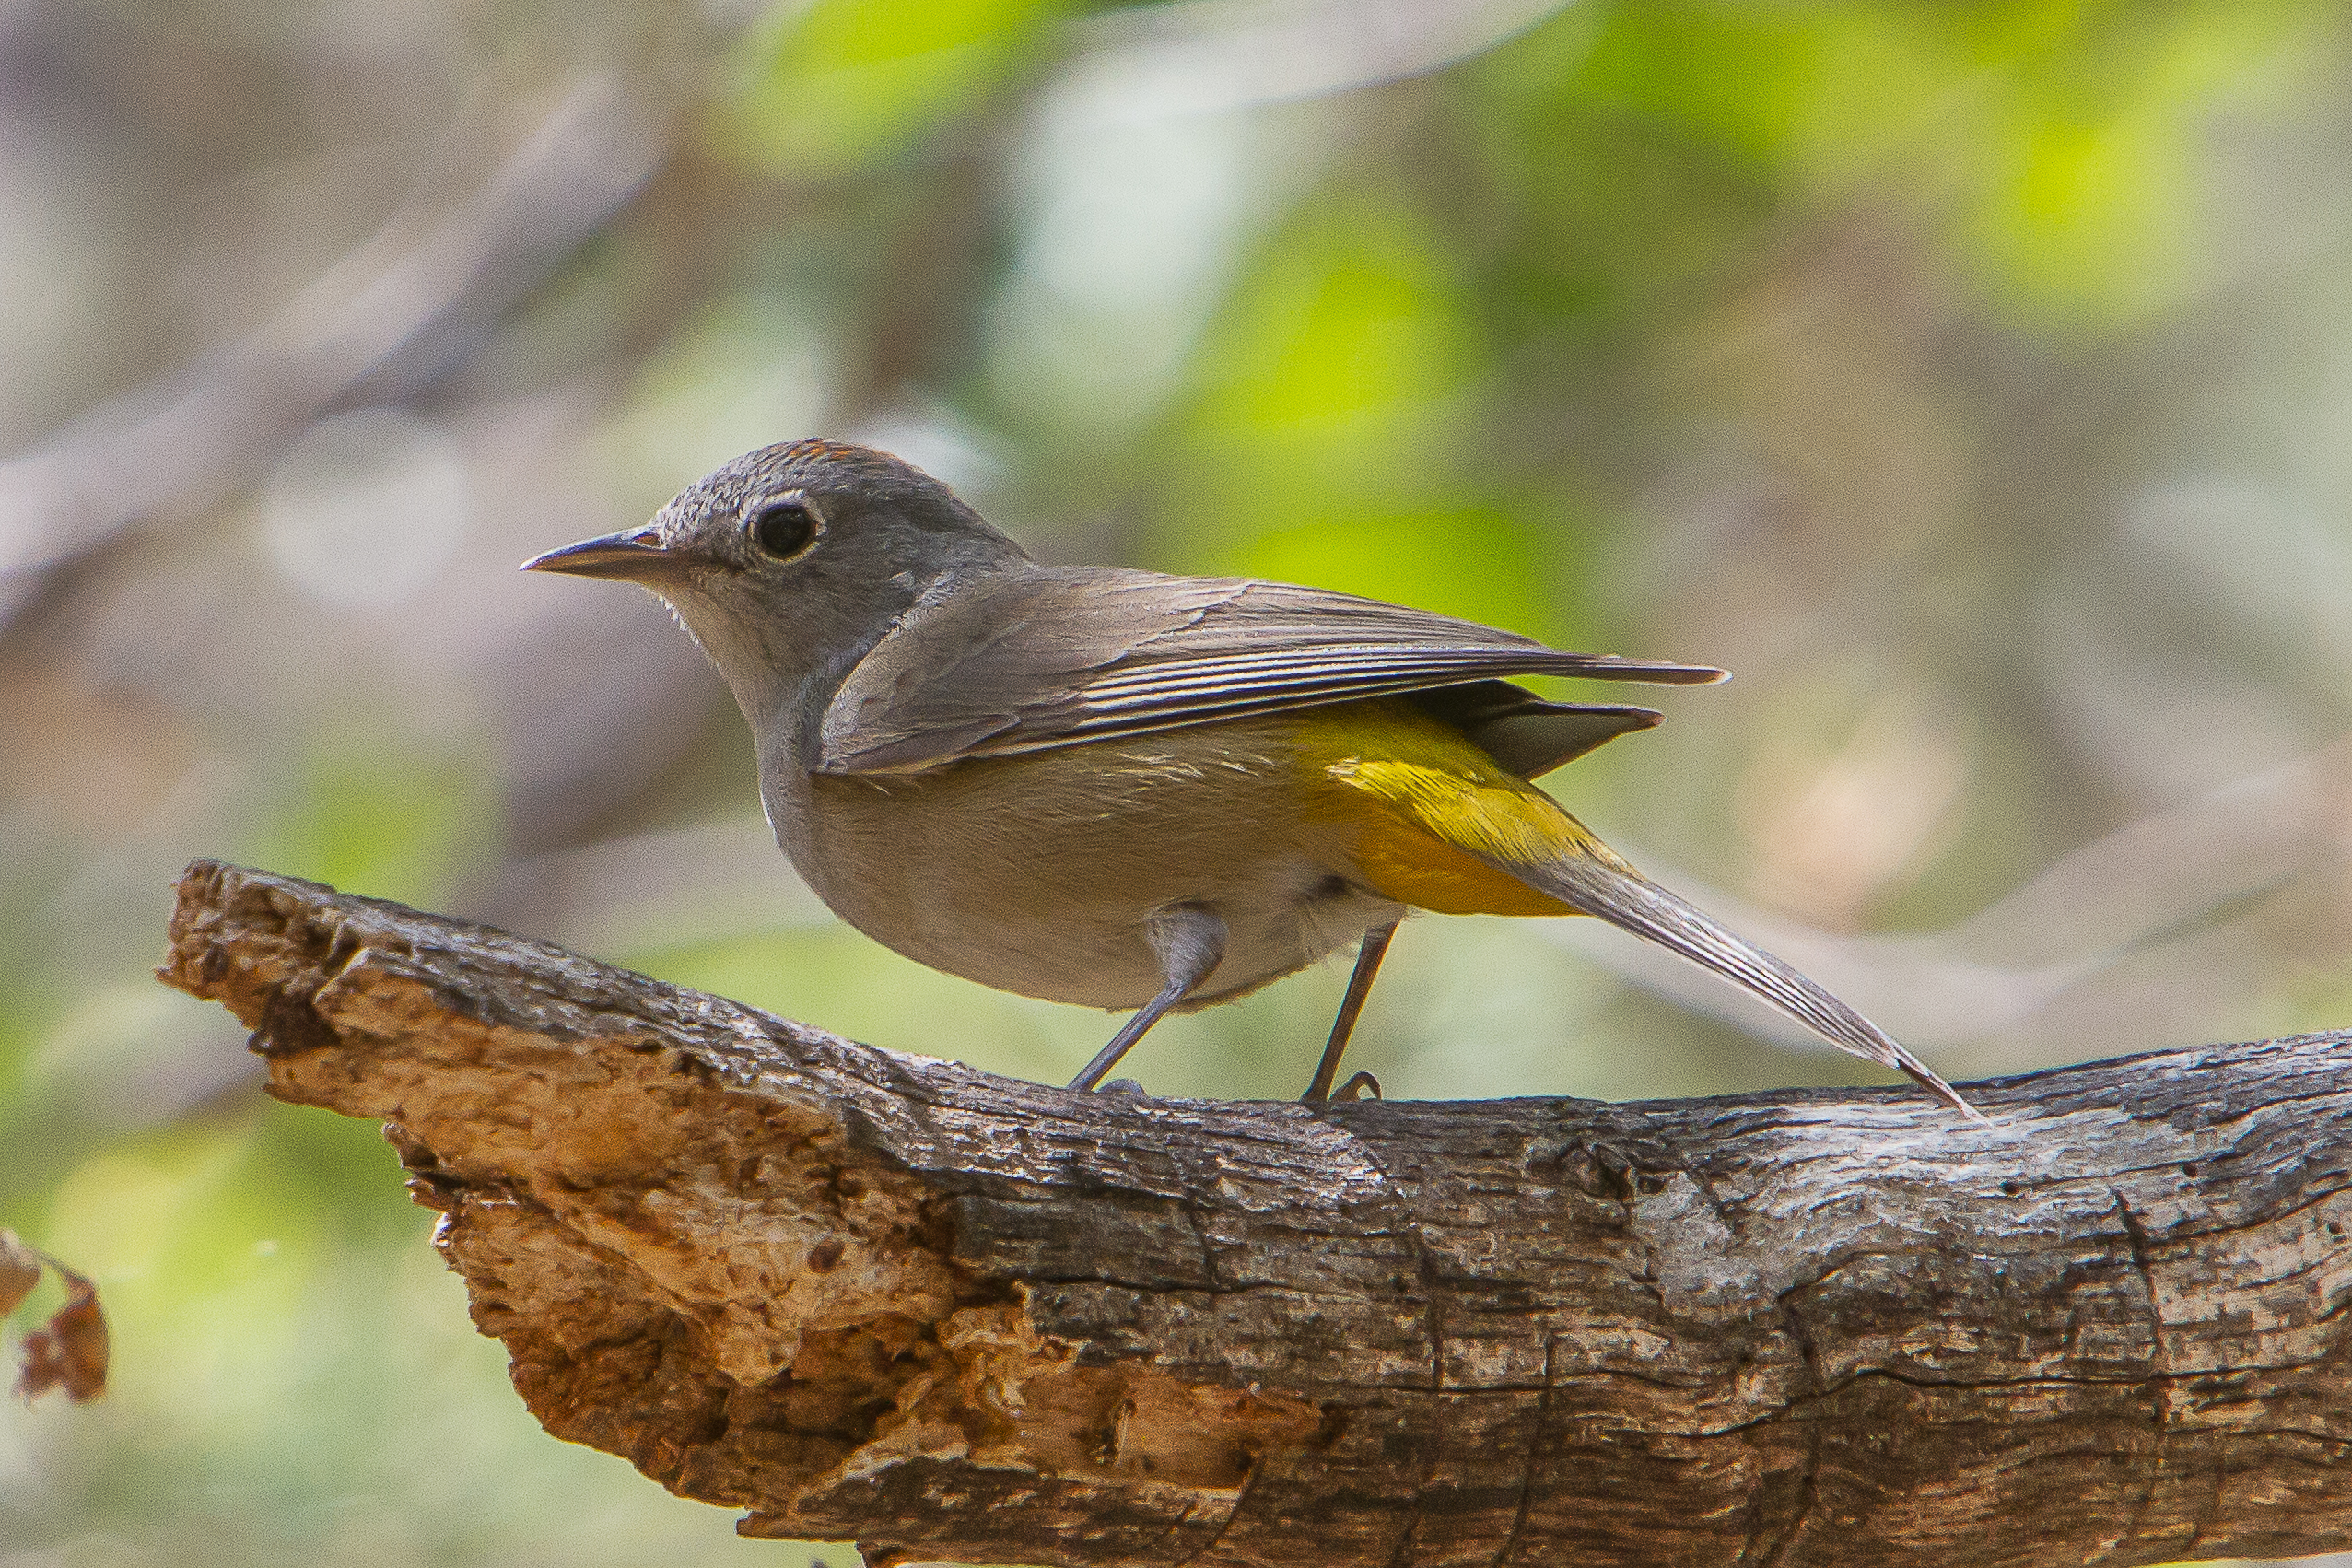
x=947, y=1315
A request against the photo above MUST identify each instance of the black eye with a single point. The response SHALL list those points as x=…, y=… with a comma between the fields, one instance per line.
x=784, y=525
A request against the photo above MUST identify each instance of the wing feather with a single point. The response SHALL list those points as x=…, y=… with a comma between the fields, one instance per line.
x=1056, y=656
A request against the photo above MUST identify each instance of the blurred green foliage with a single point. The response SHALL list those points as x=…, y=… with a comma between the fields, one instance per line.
x=385, y=814
x=843, y=85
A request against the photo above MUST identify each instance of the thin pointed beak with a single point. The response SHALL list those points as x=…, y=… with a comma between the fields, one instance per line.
x=634, y=555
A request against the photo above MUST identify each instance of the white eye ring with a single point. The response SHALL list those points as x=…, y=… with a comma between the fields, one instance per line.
x=784, y=526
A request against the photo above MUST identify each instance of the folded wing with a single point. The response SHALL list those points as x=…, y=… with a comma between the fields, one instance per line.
x=1057, y=656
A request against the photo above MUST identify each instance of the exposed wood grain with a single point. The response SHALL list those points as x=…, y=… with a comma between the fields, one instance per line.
x=947, y=1315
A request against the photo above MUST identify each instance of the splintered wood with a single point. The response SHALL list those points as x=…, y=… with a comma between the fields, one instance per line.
x=949, y=1315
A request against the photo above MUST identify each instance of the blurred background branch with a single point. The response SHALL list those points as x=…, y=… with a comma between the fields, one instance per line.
x=384, y=324
x=1973, y=380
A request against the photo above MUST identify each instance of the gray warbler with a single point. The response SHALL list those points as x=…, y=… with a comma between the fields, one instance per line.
x=1126, y=790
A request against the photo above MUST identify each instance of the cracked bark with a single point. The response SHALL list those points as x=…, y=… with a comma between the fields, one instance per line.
x=946, y=1315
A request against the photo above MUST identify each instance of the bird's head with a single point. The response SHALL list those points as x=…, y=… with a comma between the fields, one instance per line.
x=789, y=563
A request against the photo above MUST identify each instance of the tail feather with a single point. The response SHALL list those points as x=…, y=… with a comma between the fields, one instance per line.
x=1640, y=906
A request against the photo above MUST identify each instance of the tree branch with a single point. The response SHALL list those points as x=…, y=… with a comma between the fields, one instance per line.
x=953, y=1316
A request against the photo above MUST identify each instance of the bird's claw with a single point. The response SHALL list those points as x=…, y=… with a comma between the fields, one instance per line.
x=1357, y=1087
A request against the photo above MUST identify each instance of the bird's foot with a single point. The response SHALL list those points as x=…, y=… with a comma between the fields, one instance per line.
x=1357, y=1087
x=1123, y=1086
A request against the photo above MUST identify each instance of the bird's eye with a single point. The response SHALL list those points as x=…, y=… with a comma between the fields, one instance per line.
x=782, y=526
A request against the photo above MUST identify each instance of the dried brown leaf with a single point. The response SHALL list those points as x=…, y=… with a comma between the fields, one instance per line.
x=69, y=1351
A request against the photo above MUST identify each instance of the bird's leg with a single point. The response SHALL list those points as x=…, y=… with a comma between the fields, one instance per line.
x=1189, y=941
x=1375, y=943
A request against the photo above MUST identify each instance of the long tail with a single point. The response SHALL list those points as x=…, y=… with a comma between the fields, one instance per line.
x=1640, y=906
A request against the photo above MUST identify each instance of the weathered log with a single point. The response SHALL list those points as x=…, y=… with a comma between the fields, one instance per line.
x=888, y=1298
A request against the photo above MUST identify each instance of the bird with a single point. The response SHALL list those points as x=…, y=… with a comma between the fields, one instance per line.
x=1134, y=791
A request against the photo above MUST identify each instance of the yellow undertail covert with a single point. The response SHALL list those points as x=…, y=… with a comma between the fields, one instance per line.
x=1435, y=820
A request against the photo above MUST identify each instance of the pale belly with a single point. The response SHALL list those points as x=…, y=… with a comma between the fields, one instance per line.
x=1036, y=873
